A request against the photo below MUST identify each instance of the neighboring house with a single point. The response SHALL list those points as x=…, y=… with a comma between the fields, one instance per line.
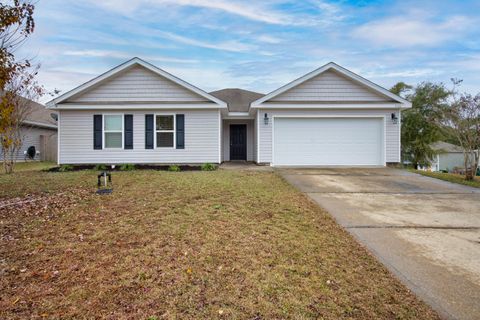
x=449, y=157
x=138, y=113
x=38, y=130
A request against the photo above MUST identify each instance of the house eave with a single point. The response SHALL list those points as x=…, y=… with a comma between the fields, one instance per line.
x=136, y=106
x=360, y=106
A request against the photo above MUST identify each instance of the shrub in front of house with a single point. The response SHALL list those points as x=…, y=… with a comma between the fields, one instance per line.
x=127, y=167
x=174, y=168
x=208, y=167
x=100, y=167
x=65, y=168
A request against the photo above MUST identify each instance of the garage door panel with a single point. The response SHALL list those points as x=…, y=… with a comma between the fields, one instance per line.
x=328, y=141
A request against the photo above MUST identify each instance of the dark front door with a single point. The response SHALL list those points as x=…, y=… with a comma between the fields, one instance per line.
x=238, y=142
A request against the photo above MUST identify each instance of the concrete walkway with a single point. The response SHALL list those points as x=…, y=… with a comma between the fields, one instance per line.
x=426, y=231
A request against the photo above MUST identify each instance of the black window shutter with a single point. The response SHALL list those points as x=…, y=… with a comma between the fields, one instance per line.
x=128, y=123
x=180, y=126
x=149, y=131
x=97, y=132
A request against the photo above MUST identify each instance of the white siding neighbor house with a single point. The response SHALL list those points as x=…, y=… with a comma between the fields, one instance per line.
x=138, y=113
x=449, y=157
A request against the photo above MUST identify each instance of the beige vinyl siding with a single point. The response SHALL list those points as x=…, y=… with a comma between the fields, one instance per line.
x=201, y=139
x=329, y=86
x=31, y=137
x=392, y=133
x=137, y=84
x=250, y=138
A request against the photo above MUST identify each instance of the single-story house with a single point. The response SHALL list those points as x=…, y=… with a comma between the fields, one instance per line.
x=448, y=157
x=39, y=129
x=138, y=113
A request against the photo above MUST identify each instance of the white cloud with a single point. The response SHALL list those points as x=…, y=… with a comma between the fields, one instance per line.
x=250, y=11
x=268, y=39
x=253, y=10
x=123, y=55
x=231, y=45
x=409, y=73
x=408, y=31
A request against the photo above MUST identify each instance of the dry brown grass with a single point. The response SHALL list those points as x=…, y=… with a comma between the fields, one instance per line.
x=189, y=245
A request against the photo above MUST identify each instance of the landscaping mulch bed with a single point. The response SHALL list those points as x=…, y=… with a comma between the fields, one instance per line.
x=118, y=168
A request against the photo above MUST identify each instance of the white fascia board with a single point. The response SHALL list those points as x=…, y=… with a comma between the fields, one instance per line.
x=125, y=65
x=359, y=106
x=341, y=70
x=71, y=106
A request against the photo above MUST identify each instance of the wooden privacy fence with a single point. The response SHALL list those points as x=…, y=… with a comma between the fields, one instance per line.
x=48, y=147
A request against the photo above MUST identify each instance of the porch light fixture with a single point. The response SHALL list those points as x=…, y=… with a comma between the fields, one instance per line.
x=394, y=118
x=265, y=119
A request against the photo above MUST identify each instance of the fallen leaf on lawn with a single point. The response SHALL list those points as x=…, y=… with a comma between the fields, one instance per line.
x=220, y=312
x=189, y=271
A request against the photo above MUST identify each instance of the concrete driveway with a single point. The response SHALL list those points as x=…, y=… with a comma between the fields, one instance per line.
x=426, y=231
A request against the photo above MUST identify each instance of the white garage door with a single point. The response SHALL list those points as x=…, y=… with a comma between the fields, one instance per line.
x=328, y=141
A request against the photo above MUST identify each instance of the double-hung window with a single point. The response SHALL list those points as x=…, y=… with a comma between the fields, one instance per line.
x=165, y=131
x=113, y=131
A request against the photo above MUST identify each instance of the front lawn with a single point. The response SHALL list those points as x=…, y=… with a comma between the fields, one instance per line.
x=30, y=166
x=186, y=245
x=451, y=177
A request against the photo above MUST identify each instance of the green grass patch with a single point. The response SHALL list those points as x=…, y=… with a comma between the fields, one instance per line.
x=450, y=177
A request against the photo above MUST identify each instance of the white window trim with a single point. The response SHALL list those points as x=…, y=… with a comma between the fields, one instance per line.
x=113, y=131
x=174, y=130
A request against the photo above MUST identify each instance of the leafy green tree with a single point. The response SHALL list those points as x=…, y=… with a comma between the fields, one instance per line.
x=419, y=126
x=401, y=88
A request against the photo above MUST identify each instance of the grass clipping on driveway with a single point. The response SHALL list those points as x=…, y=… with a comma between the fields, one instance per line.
x=190, y=245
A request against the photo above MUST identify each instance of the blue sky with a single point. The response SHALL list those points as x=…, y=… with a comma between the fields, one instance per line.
x=258, y=45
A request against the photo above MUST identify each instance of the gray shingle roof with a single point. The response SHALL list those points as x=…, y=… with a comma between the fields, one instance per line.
x=443, y=147
x=38, y=113
x=238, y=100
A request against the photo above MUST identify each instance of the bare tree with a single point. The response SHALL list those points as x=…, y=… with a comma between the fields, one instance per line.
x=16, y=102
x=463, y=116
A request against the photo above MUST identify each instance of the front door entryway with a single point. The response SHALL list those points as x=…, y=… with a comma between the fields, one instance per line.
x=238, y=142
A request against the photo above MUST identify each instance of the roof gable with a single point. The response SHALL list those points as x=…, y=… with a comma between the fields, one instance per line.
x=331, y=83
x=136, y=81
x=330, y=86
